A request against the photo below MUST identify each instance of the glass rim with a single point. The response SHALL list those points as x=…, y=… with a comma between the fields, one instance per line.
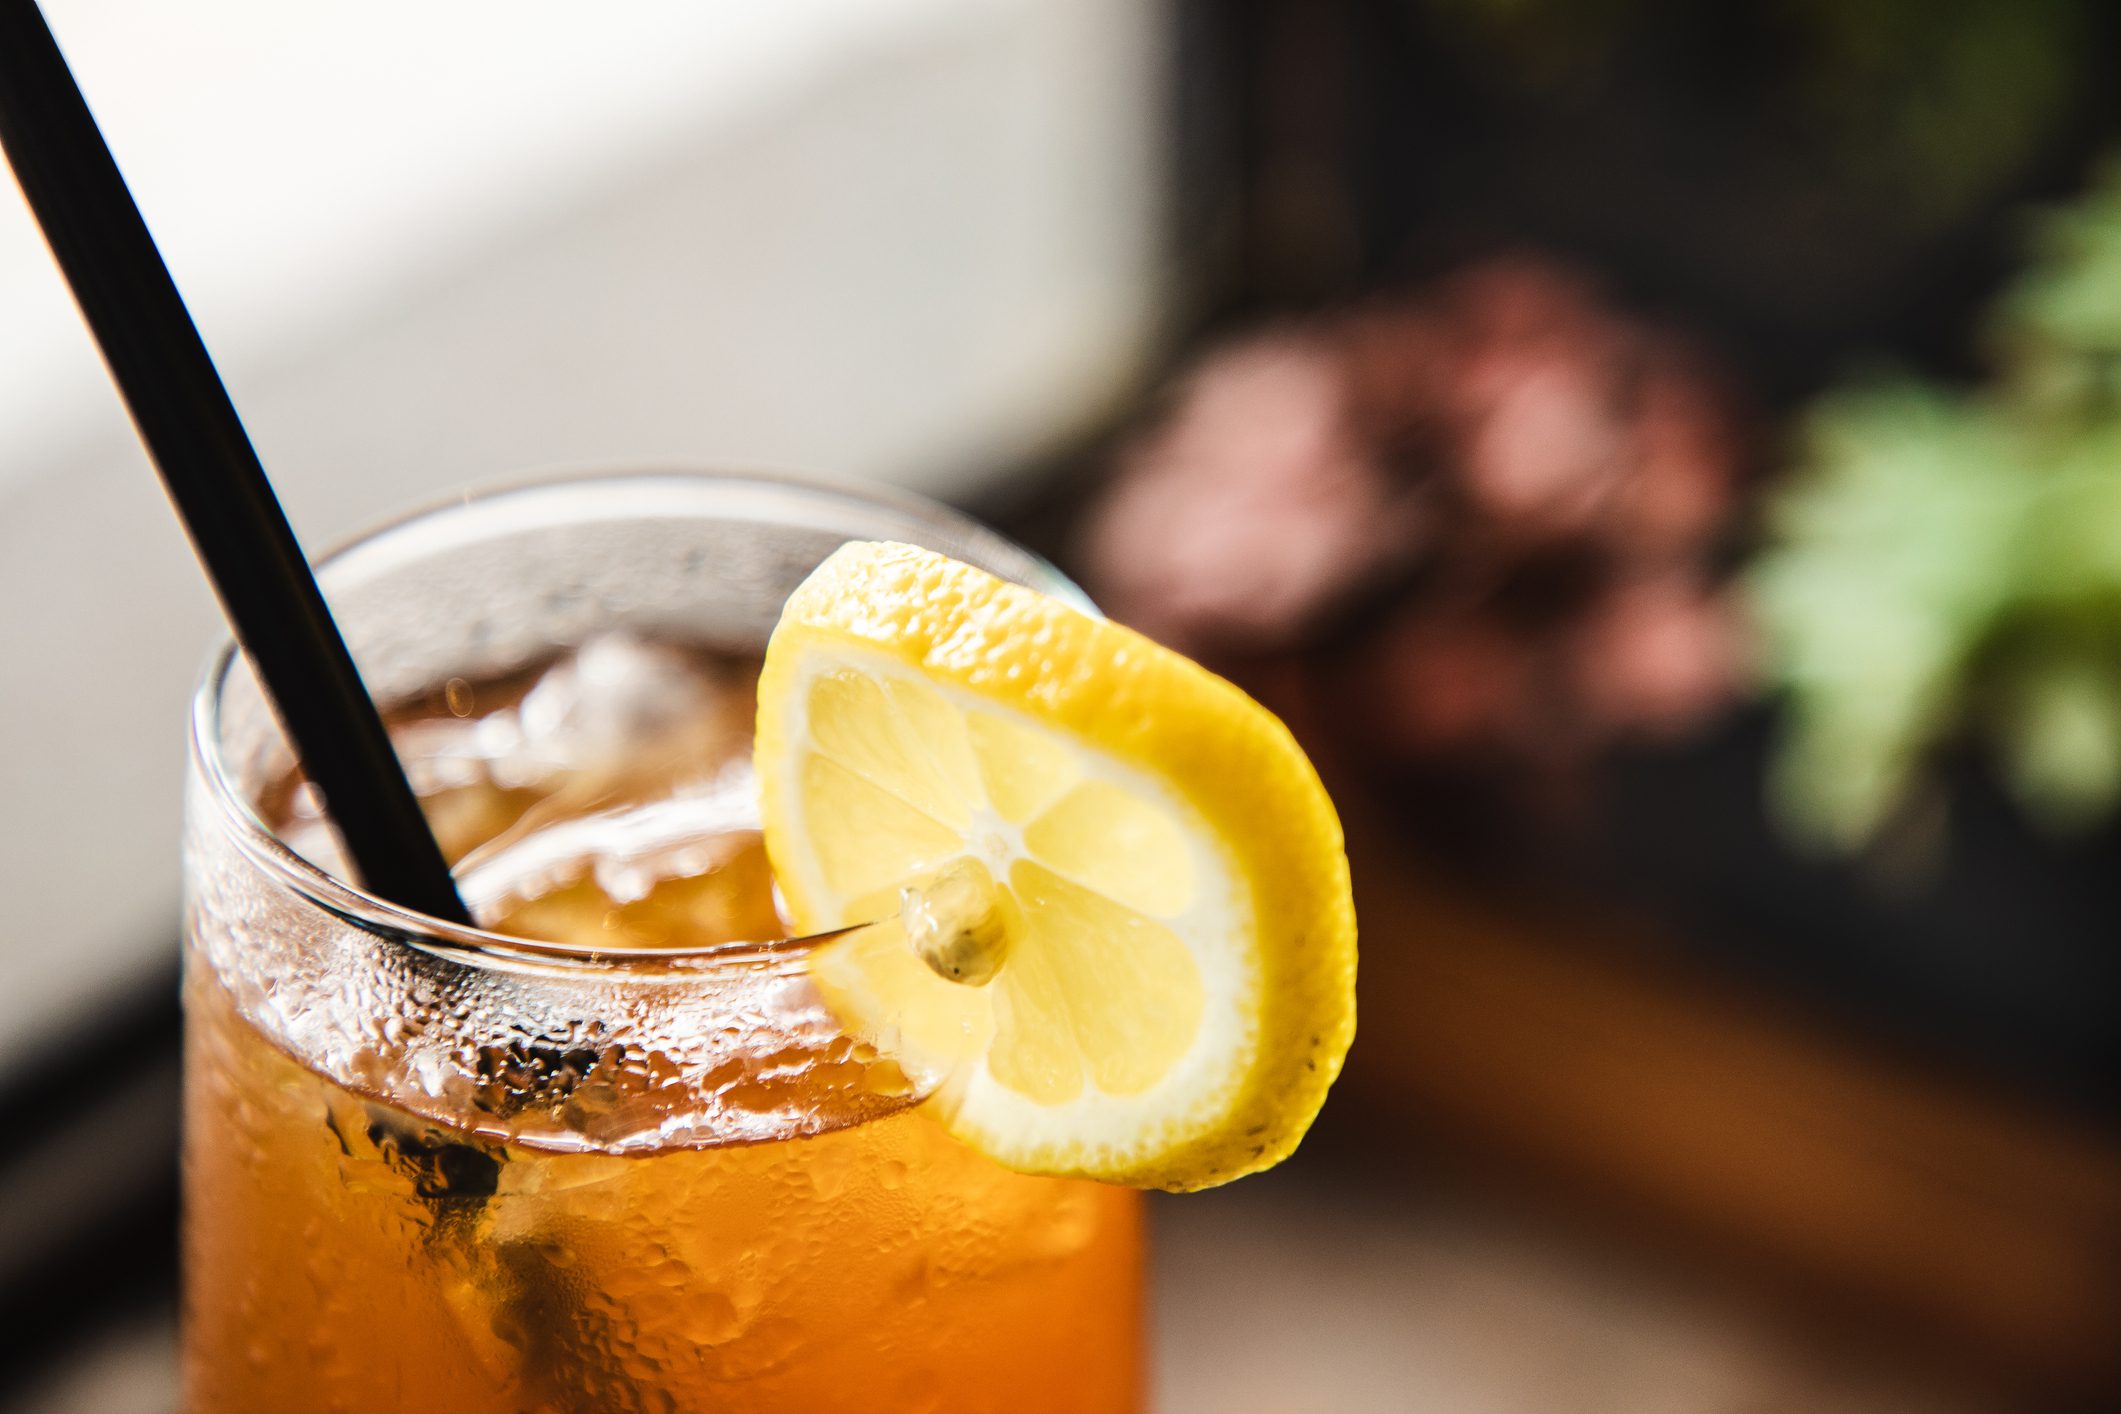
x=357, y=907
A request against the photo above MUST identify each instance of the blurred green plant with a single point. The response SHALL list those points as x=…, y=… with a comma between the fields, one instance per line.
x=1945, y=567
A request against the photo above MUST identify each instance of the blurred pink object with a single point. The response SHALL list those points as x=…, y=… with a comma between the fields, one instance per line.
x=1530, y=484
x=1254, y=508
x=1660, y=655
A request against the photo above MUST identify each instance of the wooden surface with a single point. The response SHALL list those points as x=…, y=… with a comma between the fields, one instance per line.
x=1310, y=1291
x=1585, y=1055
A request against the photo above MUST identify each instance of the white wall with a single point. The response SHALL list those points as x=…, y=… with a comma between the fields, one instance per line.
x=433, y=245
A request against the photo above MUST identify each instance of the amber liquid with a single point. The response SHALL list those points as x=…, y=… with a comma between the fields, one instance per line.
x=341, y=1254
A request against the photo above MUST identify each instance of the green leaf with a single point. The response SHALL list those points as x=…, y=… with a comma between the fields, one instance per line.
x=2060, y=735
x=1889, y=563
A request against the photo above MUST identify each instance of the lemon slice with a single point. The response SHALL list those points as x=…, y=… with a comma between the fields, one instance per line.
x=1118, y=933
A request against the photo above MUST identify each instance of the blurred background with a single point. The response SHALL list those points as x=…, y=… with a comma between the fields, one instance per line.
x=1664, y=460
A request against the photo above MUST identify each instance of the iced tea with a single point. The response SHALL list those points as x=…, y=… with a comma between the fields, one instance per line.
x=641, y=1170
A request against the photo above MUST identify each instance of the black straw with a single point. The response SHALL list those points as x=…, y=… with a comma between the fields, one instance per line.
x=212, y=472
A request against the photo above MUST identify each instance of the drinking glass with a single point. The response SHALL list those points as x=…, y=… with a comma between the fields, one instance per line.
x=434, y=1168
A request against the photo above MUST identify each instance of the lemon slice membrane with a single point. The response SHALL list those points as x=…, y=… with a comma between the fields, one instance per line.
x=1160, y=988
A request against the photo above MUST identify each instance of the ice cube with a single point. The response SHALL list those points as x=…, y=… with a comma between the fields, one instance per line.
x=685, y=868
x=617, y=698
